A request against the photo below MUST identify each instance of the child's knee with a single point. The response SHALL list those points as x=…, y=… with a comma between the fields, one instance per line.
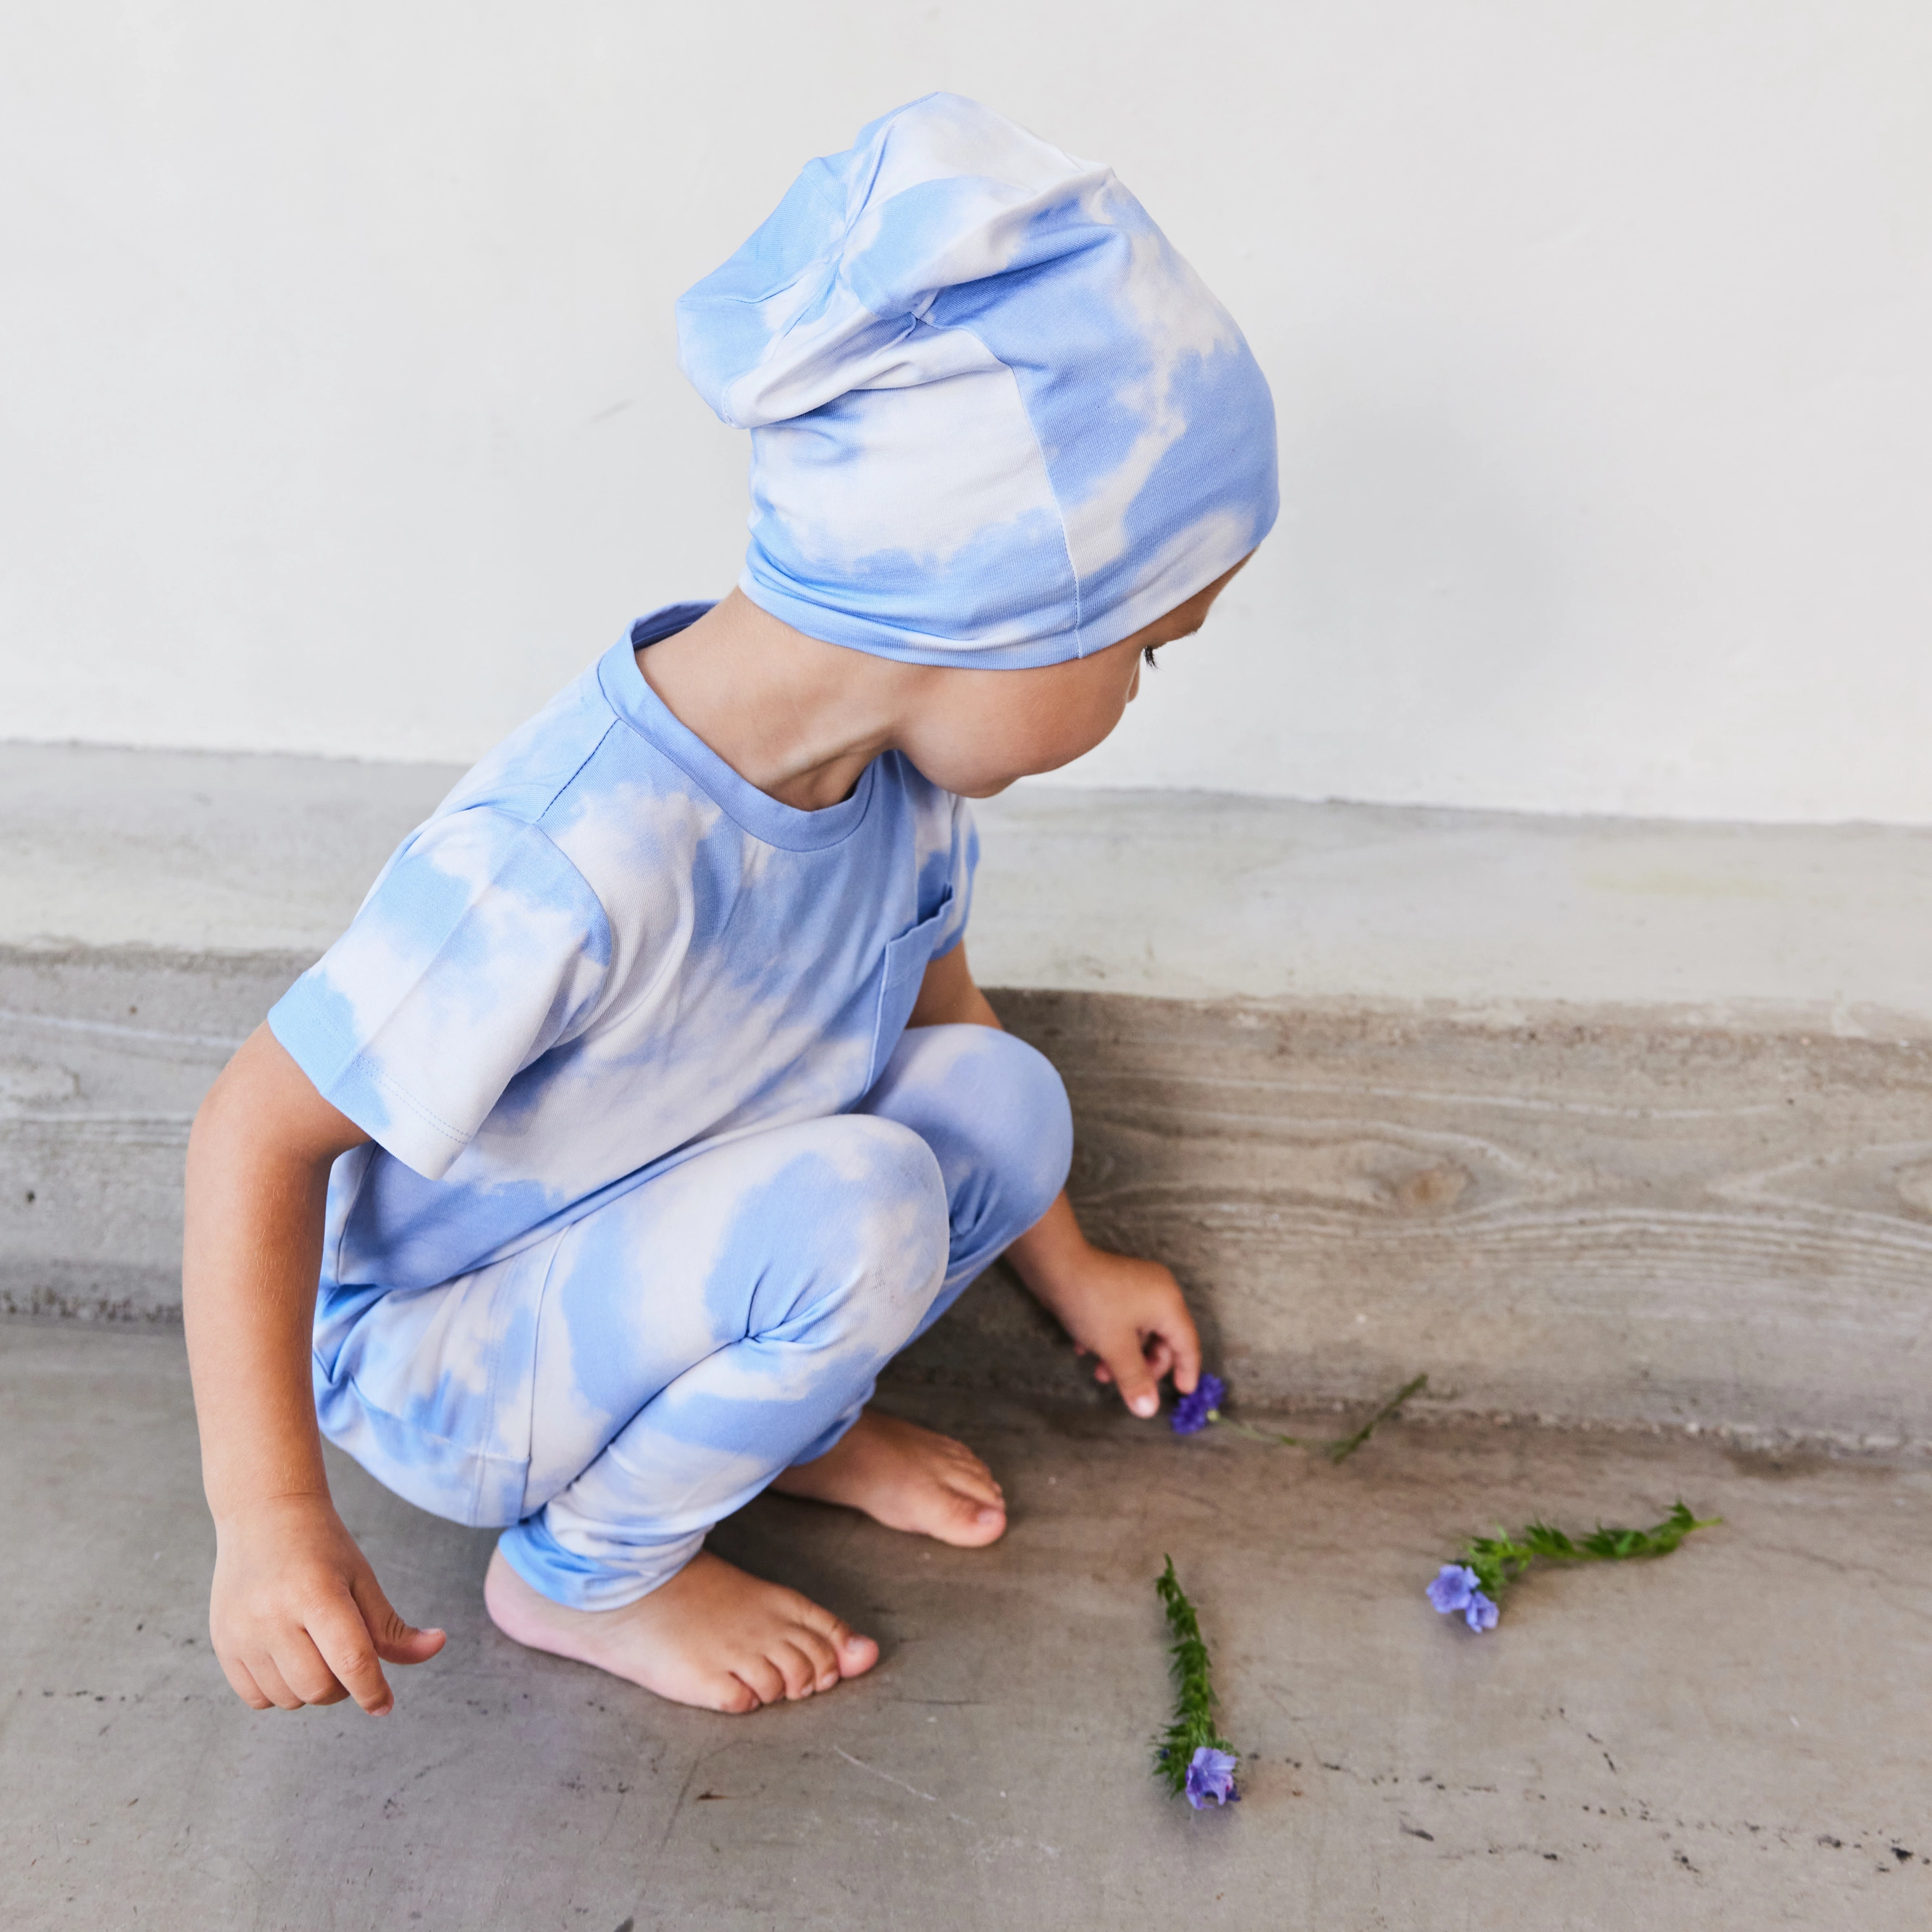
x=1016, y=1112
x=989, y=1105
x=1029, y=1091
x=887, y=1176
x=870, y=1214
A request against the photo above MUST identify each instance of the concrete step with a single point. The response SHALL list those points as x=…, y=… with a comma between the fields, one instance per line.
x=1594, y=1120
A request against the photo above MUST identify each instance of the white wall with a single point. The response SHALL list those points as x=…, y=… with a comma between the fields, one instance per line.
x=339, y=411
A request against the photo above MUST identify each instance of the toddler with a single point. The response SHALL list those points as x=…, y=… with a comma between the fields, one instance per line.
x=648, y=1106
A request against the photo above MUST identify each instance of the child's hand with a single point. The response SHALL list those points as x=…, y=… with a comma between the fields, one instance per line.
x=1130, y=1313
x=297, y=1616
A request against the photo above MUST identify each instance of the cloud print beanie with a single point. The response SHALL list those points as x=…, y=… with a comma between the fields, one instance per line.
x=996, y=420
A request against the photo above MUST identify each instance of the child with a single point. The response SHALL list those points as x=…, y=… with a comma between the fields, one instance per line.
x=648, y=1106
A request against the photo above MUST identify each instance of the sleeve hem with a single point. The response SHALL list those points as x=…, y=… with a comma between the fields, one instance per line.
x=352, y=1084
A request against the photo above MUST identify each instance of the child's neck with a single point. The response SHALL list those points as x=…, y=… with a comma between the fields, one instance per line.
x=799, y=719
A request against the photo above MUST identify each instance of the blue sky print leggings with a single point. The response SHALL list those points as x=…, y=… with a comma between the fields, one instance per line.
x=616, y=1389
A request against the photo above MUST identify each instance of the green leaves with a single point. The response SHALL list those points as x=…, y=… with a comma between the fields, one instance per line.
x=1499, y=1560
x=1193, y=1724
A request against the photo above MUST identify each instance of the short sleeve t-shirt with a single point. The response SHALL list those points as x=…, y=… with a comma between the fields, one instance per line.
x=604, y=951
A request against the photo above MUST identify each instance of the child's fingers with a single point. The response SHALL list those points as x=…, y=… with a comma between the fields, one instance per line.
x=244, y=1686
x=1186, y=1342
x=1140, y=1374
x=396, y=1641
x=1102, y=1373
x=1134, y=1379
x=343, y=1636
x=305, y=1673
x=274, y=1686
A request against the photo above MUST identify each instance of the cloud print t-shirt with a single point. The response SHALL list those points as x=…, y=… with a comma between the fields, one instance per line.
x=605, y=950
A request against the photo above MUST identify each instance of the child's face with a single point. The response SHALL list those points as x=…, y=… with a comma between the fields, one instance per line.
x=987, y=728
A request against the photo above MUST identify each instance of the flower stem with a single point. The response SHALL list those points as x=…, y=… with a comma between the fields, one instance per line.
x=1255, y=1434
x=1497, y=1561
x=1341, y=1450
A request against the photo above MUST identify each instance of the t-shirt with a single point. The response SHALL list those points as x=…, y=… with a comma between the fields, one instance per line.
x=605, y=950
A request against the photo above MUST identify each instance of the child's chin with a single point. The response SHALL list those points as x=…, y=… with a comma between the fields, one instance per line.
x=972, y=781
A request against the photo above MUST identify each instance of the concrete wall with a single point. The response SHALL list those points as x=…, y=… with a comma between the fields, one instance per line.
x=342, y=415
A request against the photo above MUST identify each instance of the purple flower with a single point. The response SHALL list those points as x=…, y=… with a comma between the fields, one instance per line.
x=1455, y=1588
x=1192, y=1413
x=1210, y=1774
x=1455, y=1584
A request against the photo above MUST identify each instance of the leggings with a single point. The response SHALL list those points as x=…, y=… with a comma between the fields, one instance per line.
x=615, y=1389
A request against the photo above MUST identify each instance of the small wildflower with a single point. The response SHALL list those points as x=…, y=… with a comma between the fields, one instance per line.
x=1192, y=1413
x=1479, y=1614
x=1455, y=1584
x=1210, y=1774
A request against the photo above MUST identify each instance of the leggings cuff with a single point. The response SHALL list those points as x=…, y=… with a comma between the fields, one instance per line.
x=580, y=1582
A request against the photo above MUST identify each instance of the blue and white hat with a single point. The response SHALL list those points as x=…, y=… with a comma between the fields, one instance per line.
x=996, y=420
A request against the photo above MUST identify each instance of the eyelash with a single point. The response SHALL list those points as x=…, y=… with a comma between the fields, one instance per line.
x=1147, y=656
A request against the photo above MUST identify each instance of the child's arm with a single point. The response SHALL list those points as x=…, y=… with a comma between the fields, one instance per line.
x=295, y=1615
x=1129, y=1312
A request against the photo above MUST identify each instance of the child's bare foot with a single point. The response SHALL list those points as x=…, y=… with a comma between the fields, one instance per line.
x=906, y=1477
x=711, y=1636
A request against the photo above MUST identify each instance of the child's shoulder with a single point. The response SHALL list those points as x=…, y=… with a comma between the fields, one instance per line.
x=591, y=753
x=524, y=775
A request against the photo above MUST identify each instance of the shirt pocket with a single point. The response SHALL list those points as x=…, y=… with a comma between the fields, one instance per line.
x=907, y=958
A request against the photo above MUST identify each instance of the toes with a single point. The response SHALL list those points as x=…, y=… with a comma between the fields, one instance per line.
x=734, y=1696
x=977, y=1482
x=763, y=1678
x=965, y=1471
x=967, y=1519
x=801, y=1674
x=964, y=1458
x=818, y=1643
x=981, y=1526
x=852, y=1654
x=857, y=1653
x=817, y=1654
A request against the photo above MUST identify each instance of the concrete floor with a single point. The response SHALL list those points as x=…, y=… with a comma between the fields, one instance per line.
x=1736, y=1737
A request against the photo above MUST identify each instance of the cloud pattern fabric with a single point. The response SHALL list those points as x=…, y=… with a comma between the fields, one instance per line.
x=616, y=1389
x=657, y=1179
x=996, y=419
x=605, y=950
